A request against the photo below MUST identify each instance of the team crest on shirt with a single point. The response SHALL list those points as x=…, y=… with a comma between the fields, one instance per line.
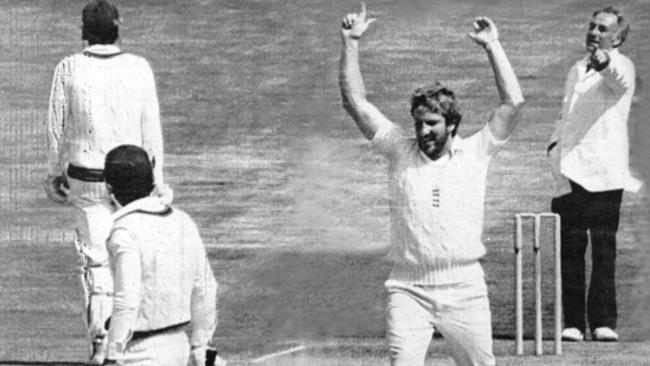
x=435, y=195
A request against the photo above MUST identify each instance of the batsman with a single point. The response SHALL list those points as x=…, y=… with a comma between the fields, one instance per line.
x=100, y=98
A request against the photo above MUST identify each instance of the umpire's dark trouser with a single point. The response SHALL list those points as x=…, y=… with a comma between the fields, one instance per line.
x=597, y=213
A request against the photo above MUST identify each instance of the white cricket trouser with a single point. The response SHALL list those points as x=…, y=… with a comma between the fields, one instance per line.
x=93, y=223
x=460, y=312
x=166, y=349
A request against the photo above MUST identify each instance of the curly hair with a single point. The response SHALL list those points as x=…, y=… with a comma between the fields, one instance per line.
x=437, y=99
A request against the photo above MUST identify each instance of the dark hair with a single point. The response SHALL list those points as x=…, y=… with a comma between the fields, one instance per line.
x=437, y=99
x=129, y=172
x=623, y=25
x=99, y=19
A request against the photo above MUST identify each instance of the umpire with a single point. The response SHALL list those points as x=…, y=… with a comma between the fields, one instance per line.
x=162, y=277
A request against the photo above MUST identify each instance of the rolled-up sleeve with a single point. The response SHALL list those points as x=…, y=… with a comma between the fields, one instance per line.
x=126, y=267
x=388, y=139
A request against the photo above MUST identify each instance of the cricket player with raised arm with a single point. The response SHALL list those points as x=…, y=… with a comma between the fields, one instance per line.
x=163, y=279
x=100, y=98
x=437, y=184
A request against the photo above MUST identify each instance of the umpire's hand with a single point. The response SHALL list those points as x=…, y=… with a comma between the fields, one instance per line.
x=57, y=188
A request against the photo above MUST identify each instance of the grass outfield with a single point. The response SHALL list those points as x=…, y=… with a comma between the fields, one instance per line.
x=289, y=198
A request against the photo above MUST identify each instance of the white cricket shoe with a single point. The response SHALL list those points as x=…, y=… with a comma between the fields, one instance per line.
x=605, y=334
x=572, y=335
x=218, y=361
x=99, y=353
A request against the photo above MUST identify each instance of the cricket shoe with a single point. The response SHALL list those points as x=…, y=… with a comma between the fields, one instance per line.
x=572, y=335
x=218, y=361
x=604, y=334
x=99, y=353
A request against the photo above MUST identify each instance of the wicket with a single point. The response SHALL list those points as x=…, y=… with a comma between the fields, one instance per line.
x=519, y=307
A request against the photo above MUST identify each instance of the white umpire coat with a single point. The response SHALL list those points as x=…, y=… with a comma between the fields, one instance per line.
x=592, y=135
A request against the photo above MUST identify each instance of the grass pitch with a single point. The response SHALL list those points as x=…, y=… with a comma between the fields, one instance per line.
x=288, y=196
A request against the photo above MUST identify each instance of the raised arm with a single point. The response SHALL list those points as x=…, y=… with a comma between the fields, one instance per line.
x=504, y=118
x=619, y=76
x=368, y=118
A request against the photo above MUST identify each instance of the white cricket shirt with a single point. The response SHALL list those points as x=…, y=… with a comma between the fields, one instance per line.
x=436, y=207
x=100, y=99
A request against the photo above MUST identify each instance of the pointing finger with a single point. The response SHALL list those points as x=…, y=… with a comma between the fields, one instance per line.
x=363, y=8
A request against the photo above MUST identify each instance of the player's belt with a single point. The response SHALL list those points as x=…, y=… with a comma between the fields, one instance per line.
x=150, y=333
x=85, y=174
x=99, y=55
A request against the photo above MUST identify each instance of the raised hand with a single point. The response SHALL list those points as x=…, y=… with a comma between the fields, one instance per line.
x=598, y=60
x=484, y=32
x=355, y=24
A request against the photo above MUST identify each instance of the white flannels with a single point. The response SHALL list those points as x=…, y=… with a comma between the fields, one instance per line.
x=436, y=207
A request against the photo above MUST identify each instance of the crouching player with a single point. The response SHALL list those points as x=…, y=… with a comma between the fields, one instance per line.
x=162, y=278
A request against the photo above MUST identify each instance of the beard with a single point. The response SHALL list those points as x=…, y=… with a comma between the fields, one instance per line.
x=433, y=147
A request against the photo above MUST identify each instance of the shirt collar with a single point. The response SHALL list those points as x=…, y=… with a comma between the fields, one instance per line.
x=457, y=146
x=151, y=204
x=102, y=49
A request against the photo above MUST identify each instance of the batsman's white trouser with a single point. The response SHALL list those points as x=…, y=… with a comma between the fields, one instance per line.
x=165, y=349
x=93, y=223
x=460, y=312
